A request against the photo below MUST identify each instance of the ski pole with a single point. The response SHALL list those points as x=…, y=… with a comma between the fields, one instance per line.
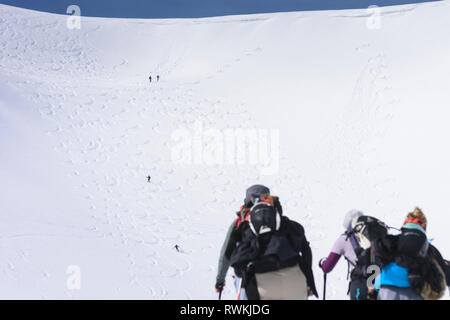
x=220, y=289
x=324, y=279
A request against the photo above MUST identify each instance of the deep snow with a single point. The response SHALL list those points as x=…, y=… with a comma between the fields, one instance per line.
x=361, y=115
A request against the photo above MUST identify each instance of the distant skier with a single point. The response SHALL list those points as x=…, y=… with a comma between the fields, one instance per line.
x=148, y=178
x=157, y=77
x=150, y=78
x=177, y=248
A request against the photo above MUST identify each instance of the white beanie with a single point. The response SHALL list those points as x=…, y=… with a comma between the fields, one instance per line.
x=352, y=214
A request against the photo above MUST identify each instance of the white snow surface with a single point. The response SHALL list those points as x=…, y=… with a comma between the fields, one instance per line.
x=362, y=116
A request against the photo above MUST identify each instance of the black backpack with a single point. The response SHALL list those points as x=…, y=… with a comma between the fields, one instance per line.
x=412, y=243
x=269, y=241
x=427, y=277
x=425, y=274
x=365, y=230
x=264, y=218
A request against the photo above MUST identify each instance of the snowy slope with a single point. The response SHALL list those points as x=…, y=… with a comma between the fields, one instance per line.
x=361, y=115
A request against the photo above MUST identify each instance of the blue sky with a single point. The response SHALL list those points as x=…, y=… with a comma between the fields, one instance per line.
x=194, y=8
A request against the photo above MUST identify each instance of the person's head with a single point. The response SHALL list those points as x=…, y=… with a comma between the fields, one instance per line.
x=414, y=219
x=349, y=217
x=255, y=190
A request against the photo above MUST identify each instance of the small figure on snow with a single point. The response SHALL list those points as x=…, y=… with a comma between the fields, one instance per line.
x=148, y=178
x=150, y=78
x=177, y=248
x=157, y=77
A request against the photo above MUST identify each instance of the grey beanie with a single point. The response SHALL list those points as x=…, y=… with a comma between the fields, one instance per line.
x=256, y=189
x=352, y=214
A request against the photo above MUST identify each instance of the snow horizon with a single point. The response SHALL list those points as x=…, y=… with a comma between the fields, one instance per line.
x=171, y=9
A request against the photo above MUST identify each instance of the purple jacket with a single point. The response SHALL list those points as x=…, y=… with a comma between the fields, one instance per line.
x=342, y=247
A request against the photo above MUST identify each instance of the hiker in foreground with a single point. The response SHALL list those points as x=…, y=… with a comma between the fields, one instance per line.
x=269, y=252
x=413, y=269
x=355, y=246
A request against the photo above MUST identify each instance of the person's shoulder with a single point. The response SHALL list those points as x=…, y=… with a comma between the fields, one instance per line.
x=342, y=240
x=292, y=224
x=344, y=235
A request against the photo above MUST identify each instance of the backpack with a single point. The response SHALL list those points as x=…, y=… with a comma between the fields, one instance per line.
x=425, y=274
x=365, y=230
x=268, y=241
x=427, y=278
x=263, y=218
x=412, y=243
x=447, y=271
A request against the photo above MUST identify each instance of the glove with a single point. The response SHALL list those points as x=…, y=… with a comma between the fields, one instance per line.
x=372, y=294
x=219, y=286
x=321, y=262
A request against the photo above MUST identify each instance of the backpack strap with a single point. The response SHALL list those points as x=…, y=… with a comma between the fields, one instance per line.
x=351, y=237
x=243, y=215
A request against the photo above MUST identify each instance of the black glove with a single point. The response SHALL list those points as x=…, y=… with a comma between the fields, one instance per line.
x=372, y=295
x=219, y=285
x=321, y=262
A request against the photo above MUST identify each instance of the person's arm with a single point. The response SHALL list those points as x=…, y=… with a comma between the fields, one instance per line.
x=342, y=247
x=224, y=257
x=330, y=262
x=307, y=267
x=298, y=239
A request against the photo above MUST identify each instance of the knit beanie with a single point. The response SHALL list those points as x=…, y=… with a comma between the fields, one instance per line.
x=416, y=219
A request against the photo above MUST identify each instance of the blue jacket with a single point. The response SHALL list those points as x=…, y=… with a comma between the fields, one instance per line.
x=393, y=275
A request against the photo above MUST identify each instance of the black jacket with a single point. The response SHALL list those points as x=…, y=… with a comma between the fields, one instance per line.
x=284, y=248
